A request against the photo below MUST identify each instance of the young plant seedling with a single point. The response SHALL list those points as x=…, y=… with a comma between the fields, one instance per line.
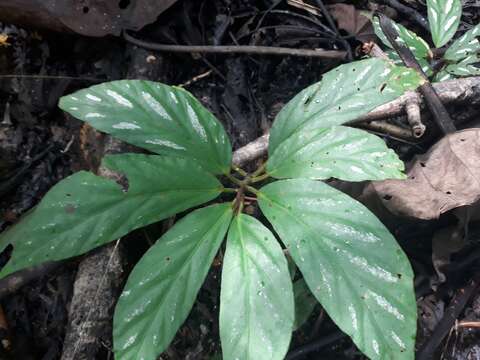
x=348, y=259
x=459, y=58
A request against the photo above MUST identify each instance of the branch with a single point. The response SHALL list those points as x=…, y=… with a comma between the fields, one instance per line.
x=236, y=49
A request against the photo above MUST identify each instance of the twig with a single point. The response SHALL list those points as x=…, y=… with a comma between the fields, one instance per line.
x=332, y=25
x=411, y=13
x=468, y=324
x=412, y=108
x=456, y=306
x=236, y=49
x=412, y=103
x=439, y=112
x=251, y=151
x=388, y=129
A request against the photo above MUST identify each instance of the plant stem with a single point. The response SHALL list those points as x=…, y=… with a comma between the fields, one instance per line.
x=230, y=190
x=260, y=170
x=234, y=180
x=259, y=178
x=240, y=171
x=252, y=190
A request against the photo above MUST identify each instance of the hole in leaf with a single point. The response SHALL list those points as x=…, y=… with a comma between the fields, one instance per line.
x=85, y=9
x=168, y=258
x=423, y=164
x=448, y=193
x=123, y=4
x=387, y=197
x=384, y=85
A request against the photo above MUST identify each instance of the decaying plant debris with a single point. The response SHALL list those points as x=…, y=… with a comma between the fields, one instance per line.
x=54, y=312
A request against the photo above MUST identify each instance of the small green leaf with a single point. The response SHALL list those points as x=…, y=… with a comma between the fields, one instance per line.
x=305, y=303
x=443, y=18
x=340, y=152
x=465, y=67
x=442, y=76
x=256, y=299
x=344, y=94
x=465, y=45
x=351, y=263
x=160, y=118
x=163, y=286
x=84, y=211
x=415, y=43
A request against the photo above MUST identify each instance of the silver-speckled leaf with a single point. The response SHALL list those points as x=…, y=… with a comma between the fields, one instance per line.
x=415, y=43
x=345, y=93
x=84, y=211
x=340, y=152
x=256, y=298
x=350, y=262
x=465, y=45
x=163, y=286
x=160, y=118
x=466, y=67
x=443, y=19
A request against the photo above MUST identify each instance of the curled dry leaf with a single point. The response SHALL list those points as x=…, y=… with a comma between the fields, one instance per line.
x=446, y=177
x=86, y=17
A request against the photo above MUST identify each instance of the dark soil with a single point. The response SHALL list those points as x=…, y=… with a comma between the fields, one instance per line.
x=40, y=145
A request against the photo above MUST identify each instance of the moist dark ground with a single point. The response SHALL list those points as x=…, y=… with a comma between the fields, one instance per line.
x=40, y=145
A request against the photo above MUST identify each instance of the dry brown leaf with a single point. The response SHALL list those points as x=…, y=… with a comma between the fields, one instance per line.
x=446, y=177
x=352, y=21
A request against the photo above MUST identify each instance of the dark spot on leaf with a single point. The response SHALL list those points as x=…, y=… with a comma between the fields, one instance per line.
x=168, y=258
x=412, y=177
x=423, y=164
x=339, y=108
x=308, y=100
x=448, y=193
x=387, y=197
x=358, y=89
x=383, y=87
x=354, y=69
x=327, y=153
x=68, y=194
x=70, y=209
x=123, y=4
x=399, y=275
x=85, y=9
x=462, y=139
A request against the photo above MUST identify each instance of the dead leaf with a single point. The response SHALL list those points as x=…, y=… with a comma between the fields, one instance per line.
x=353, y=21
x=86, y=17
x=446, y=177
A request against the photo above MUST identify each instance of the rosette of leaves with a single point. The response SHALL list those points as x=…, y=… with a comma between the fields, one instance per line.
x=349, y=261
x=461, y=58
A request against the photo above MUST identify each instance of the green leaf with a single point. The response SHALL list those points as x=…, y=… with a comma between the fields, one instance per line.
x=465, y=67
x=344, y=94
x=163, y=286
x=442, y=75
x=465, y=45
x=256, y=298
x=340, y=152
x=415, y=43
x=424, y=64
x=305, y=303
x=160, y=118
x=84, y=211
x=351, y=263
x=443, y=18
